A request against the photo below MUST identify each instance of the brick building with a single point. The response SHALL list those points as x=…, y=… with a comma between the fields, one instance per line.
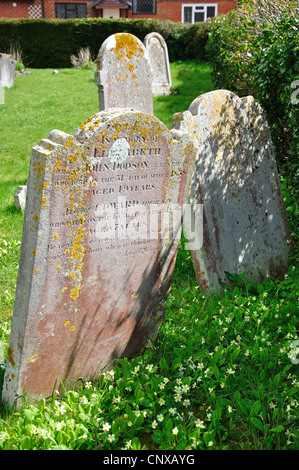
x=187, y=11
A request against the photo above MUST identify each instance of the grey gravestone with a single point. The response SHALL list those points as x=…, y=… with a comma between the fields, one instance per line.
x=245, y=227
x=7, y=71
x=20, y=197
x=96, y=260
x=159, y=61
x=123, y=76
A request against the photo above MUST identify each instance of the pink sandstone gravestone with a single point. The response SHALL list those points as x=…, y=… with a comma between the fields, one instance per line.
x=96, y=261
x=245, y=227
x=124, y=77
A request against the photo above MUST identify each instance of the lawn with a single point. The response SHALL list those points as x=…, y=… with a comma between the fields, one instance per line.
x=221, y=374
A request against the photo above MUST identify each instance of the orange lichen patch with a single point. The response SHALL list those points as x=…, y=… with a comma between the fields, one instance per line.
x=55, y=236
x=69, y=143
x=33, y=358
x=43, y=202
x=38, y=168
x=78, y=249
x=10, y=356
x=74, y=294
x=127, y=45
x=36, y=270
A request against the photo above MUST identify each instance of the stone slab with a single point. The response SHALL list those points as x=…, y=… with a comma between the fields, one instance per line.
x=20, y=197
x=245, y=227
x=157, y=50
x=97, y=253
x=124, y=75
x=7, y=71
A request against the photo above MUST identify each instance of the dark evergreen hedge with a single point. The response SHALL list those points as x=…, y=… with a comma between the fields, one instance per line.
x=50, y=43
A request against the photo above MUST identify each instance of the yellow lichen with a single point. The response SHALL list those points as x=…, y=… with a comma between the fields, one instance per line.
x=33, y=358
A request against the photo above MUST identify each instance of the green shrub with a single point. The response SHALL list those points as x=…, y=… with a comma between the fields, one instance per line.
x=255, y=51
x=51, y=43
x=276, y=67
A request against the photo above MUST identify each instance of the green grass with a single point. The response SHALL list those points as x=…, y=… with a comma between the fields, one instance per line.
x=221, y=373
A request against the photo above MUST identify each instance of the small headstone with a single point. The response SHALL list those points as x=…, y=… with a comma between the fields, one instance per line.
x=100, y=237
x=7, y=71
x=124, y=76
x=158, y=56
x=245, y=228
x=20, y=197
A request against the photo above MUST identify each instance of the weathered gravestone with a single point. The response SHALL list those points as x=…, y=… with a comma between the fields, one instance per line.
x=159, y=61
x=20, y=197
x=7, y=71
x=97, y=256
x=245, y=228
x=124, y=76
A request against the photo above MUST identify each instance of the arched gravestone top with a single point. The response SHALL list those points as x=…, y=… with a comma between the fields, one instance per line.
x=245, y=228
x=124, y=76
x=96, y=260
x=158, y=56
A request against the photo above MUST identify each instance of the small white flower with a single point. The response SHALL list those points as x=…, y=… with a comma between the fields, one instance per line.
x=59, y=426
x=199, y=424
x=175, y=431
x=106, y=427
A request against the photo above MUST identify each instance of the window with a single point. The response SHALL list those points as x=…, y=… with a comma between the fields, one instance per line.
x=70, y=10
x=144, y=6
x=200, y=12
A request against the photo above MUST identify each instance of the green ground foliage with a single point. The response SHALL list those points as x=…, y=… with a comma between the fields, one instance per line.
x=221, y=374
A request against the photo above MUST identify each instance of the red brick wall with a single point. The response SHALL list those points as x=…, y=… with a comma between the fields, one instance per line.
x=166, y=9
x=172, y=10
x=7, y=10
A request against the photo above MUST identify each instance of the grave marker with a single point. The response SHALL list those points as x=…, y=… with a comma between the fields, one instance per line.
x=124, y=76
x=7, y=71
x=20, y=197
x=159, y=61
x=245, y=228
x=96, y=261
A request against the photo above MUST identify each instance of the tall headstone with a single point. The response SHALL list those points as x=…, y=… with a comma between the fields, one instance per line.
x=97, y=253
x=158, y=56
x=7, y=71
x=123, y=75
x=245, y=228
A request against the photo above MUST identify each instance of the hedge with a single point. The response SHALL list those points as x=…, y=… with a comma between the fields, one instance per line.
x=50, y=43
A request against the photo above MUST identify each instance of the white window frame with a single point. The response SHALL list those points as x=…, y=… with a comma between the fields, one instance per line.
x=193, y=5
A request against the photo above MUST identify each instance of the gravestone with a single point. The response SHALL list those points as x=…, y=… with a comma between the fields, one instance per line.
x=98, y=249
x=20, y=197
x=159, y=61
x=245, y=228
x=124, y=76
x=7, y=71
